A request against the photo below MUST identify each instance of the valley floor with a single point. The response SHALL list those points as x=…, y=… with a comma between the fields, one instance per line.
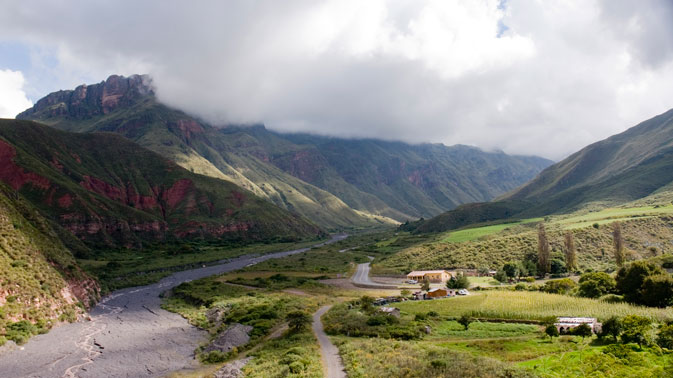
x=128, y=335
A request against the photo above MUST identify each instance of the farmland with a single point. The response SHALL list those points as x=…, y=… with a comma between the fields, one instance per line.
x=524, y=305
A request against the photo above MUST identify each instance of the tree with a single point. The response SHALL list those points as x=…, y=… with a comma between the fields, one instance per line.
x=543, y=261
x=596, y=284
x=551, y=331
x=657, y=291
x=367, y=304
x=405, y=293
x=636, y=329
x=460, y=281
x=665, y=336
x=611, y=327
x=529, y=267
x=426, y=284
x=298, y=320
x=500, y=276
x=583, y=330
x=511, y=269
x=618, y=243
x=557, y=266
x=630, y=279
x=561, y=286
x=465, y=321
x=483, y=271
x=571, y=256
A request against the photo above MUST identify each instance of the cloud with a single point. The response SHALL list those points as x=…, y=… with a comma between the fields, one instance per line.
x=523, y=76
x=13, y=99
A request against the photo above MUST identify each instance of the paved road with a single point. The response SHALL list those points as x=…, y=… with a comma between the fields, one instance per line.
x=332, y=366
x=361, y=278
x=129, y=334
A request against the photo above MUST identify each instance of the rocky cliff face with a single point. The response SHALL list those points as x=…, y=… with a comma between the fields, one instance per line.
x=93, y=100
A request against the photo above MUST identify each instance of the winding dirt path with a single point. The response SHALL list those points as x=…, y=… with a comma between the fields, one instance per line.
x=332, y=366
x=129, y=334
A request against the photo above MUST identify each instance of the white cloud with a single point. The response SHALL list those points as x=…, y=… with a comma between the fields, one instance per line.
x=13, y=99
x=523, y=76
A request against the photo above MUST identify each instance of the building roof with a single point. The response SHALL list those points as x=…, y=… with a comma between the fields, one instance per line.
x=435, y=289
x=424, y=272
x=575, y=320
x=388, y=309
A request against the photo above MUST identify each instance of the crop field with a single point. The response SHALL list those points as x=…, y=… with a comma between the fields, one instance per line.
x=499, y=304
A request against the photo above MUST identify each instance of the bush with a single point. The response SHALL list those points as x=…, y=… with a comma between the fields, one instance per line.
x=213, y=357
x=520, y=287
x=596, y=284
x=20, y=331
x=561, y=286
x=636, y=329
x=612, y=298
x=611, y=327
x=665, y=336
x=630, y=279
x=657, y=291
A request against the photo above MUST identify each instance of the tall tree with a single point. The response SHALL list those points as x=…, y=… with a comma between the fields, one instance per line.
x=618, y=243
x=543, y=260
x=571, y=257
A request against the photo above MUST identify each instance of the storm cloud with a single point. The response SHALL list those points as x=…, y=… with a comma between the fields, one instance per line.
x=526, y=77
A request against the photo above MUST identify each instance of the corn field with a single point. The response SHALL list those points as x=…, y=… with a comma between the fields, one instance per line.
x=527, y=305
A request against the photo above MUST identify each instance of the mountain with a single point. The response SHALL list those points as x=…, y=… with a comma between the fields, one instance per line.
x=337, y=183
x=108, y=191
x=621, y=168
x=41, y=282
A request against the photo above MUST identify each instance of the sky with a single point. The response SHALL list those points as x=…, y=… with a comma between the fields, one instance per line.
x=522, y=76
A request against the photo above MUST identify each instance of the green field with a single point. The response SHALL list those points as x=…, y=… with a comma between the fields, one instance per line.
x=611, y=215
x=478, y=232
x=500, y=304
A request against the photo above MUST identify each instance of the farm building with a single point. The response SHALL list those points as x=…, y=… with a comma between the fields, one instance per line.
x=566, y=323
x=432, y=275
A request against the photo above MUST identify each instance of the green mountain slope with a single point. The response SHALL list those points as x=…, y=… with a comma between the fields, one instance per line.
x=335, y=182
x=39, y=279
x=622, y=168
x=106, y=190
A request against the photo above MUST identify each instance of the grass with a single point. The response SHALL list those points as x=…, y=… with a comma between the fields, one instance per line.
x=479, y=330
x=479, y=232
x=613, y=214
x=500, y=304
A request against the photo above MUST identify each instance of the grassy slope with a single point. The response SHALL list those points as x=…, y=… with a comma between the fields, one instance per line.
x=39, y=276
x=622, y=168
x=647, y=231
x=227, y=154
x=66, y=160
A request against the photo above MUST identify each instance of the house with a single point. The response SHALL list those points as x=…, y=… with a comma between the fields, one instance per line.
x=432, y=275
x=437, y=293
x=566, y=323
x=392, y=311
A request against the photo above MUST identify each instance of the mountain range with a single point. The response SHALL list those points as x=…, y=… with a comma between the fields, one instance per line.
x=336, y=183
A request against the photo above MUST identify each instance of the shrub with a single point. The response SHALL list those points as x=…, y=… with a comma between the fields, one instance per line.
x=583, y=330
x=298, y=320
x=465, y=321
x=612, y=298
x=630, y=279
x=596, y=284
x=20, y=331
x=460, y=281
x=551, y=331
x=636, y=329
x=213, y=357
x=657, y=291
x=665, y=336
x=561, y=286
x=520, y=287
x=611, y=327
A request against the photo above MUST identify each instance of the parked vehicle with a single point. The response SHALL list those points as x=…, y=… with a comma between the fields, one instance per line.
x=463, y=292
x=413, y=282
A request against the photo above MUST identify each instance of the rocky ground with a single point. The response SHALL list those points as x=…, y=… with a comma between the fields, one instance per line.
x=129, y=335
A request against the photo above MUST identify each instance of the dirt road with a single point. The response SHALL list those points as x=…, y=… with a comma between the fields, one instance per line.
x=361, y=279
x=129, y=334
x=332, y=366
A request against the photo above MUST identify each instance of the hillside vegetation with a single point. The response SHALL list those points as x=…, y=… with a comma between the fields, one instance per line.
x=647, y=232
x=108, y=191
x=40, y=283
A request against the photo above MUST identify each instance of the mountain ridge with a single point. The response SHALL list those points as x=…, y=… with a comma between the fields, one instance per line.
x=337, y=183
